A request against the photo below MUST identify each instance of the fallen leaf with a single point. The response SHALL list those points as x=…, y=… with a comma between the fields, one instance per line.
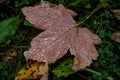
x=27, y=23
x=61, y=34
x=76, y=60
x=8, y=27
x=33, y=70
x=1, y=1
x=64, y=68
x=8, y=55
x=116, y=12
x=116, y=37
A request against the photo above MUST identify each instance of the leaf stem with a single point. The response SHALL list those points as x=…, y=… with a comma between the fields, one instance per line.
x=95, y=10
x=83, y=76
x=99, y=74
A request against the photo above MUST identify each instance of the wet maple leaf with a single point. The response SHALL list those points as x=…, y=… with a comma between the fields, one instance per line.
x=61, y=34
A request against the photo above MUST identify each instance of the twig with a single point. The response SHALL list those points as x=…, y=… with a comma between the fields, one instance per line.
x=96, y=9
x=99, y=74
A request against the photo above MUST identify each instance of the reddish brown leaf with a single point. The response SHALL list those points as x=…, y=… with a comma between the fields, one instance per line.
x=116, y=13
x=60, y=35
x=49, y=17
x=116, y=37
x=1, y=1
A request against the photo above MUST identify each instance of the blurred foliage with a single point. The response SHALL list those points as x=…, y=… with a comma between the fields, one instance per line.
x=63, y=69
x=8, y=28
x=102, y=22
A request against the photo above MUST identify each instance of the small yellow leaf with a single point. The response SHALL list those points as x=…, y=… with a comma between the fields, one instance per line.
x=33, y=70
x=8, y=55
x=6, y=58
x=13, y=53
x=76, y=61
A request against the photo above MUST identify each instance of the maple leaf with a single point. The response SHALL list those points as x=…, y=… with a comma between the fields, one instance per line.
x=61, y=34
x=116, y=13
x=116, y=37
